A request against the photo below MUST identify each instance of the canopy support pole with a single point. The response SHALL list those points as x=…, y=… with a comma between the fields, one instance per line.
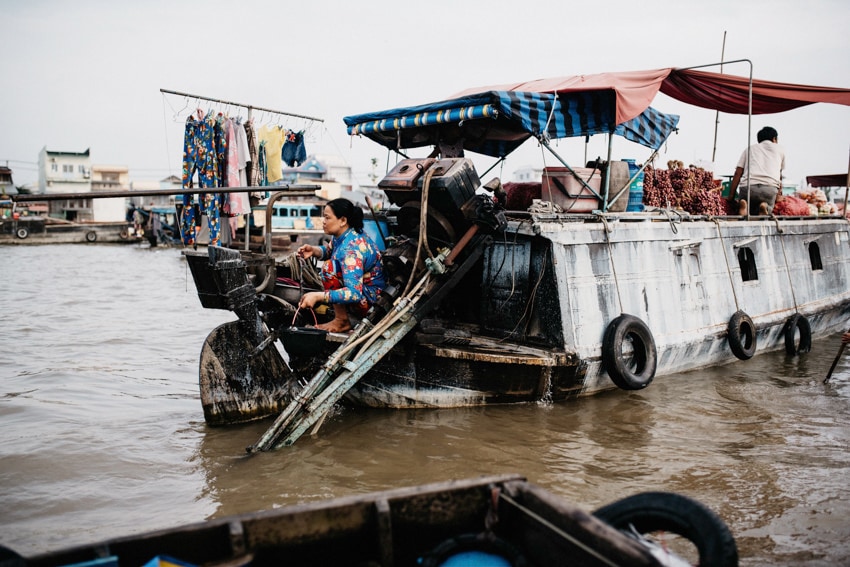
x=631, y=180
x=492, y=167
x=545, y=143
x=846, y=189
x=608, y=177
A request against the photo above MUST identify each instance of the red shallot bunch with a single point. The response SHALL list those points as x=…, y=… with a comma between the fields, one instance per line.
x=657, y=189
x=692, y=189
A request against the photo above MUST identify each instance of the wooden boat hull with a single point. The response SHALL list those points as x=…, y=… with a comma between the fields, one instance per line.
x=397, y=527
x=442, y=376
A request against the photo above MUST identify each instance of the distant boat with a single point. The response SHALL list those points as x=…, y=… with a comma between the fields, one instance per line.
x=37, y=229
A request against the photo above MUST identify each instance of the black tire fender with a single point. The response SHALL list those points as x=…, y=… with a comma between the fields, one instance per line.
x=667, y=511
x=795, y=322
x=91, y=236
x=124, y=234
x=635, y=371
x=22, y=232
x=742, y=335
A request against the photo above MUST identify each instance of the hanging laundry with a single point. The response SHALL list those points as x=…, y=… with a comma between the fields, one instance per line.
x=220, y=138
x=294, y=153
x=252, y=167
x=199, y=155
x=273, y=137
x=242, y=154
x=231, y=154
x=263, y=176
x=235, y=204
x=199, y=152
x=231, y=204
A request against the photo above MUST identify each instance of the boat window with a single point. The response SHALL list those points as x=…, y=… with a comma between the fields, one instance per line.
x=695, y=262
x=814, y=256
x=747, y=261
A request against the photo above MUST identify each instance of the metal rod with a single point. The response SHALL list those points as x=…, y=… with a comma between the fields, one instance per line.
x=545, y=143
x=714, y=64
x=846, y=190
x=292, y=190
x=489, y=169
x=717, y=112
x=749, y=116
x=608, y=177
x=248, y=106
x=628, y=185
x=461, y=244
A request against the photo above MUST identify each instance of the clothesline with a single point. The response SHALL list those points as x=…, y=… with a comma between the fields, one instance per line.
x=308, y=127
x=249, y=107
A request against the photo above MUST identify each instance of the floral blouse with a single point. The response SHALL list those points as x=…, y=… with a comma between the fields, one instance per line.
x=353, y=272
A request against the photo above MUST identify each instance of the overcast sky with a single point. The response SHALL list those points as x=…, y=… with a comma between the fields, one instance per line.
x=88, y=73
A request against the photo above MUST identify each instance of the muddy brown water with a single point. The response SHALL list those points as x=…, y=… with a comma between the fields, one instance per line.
x=102, y=434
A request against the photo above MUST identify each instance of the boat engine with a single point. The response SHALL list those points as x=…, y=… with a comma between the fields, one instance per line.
x=440, y=197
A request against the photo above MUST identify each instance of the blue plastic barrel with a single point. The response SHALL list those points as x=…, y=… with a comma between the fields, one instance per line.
x=371, y=229
x=636, y=188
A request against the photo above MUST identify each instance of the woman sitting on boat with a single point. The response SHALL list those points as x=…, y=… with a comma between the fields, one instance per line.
x=353, y=274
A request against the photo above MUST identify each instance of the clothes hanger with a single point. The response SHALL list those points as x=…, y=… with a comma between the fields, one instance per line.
x=179, y=112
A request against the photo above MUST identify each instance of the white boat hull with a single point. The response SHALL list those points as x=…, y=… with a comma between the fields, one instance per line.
x=683, y=279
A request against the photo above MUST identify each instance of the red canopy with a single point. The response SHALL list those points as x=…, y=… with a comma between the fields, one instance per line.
x=635, y=90
x=836, y=180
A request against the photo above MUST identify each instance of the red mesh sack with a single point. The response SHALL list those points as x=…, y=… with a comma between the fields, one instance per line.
x=791, y=206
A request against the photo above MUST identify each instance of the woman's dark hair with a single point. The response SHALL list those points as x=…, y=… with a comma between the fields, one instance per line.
x=347, y=209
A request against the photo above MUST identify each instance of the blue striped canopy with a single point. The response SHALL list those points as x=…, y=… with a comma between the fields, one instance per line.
x=495, y=123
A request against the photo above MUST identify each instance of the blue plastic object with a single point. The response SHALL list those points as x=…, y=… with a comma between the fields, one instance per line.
x=636, y=188
x=475, y=559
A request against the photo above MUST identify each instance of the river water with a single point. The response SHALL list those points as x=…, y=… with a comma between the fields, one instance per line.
x=102, y=433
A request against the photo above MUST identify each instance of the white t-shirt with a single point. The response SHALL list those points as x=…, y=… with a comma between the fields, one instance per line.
x=768, y=161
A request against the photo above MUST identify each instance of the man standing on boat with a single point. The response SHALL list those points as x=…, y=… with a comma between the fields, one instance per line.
x=764, y=178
